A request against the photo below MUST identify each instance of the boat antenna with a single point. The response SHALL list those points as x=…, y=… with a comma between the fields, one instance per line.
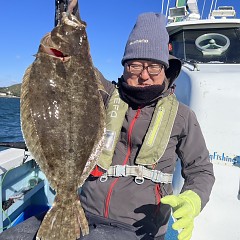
x=203, y=8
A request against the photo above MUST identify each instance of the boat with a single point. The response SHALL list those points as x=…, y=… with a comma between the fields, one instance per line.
x=25, y=191
x=208, y=84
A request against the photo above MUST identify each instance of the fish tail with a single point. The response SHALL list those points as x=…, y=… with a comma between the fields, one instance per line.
x=45, y=231
x=65, y=220
x=81, y=218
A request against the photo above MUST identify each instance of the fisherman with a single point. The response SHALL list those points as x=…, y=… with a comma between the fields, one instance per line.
x=129, y=193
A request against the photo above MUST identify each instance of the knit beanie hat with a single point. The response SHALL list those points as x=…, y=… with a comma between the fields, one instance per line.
x=148, y=39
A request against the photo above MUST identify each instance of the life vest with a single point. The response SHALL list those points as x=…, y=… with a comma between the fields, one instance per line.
x=157, y=136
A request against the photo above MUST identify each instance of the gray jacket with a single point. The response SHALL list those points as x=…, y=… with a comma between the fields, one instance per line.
x=123, y=200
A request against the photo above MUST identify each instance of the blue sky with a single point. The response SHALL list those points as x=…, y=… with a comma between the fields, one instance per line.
x=109, y=22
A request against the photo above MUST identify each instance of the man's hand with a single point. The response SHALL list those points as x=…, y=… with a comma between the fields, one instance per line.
x=186, y=206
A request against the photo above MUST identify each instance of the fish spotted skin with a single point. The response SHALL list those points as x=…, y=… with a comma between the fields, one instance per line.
x=63, y=122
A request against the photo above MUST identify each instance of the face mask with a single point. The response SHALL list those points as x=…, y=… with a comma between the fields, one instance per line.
x=140, y=96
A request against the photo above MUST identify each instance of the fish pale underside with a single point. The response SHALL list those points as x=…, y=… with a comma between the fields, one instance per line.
x=63, y=123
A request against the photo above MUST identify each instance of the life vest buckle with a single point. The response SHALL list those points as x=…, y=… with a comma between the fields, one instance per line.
x=120, y=170
x=139, y=180
x=103, y=178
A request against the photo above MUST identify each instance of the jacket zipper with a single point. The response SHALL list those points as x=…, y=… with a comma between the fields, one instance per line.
x=108, y=198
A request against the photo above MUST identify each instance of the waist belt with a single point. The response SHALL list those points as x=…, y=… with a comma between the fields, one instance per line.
x=140, y=172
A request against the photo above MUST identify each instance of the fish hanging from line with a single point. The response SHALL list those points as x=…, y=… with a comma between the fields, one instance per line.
x=63, y=122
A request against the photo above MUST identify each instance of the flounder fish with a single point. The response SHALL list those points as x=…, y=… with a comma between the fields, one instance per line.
x=63, y=122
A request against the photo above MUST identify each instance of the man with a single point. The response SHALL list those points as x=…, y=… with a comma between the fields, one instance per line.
x=129, y=193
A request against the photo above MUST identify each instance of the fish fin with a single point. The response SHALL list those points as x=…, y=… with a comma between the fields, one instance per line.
x=93, y=158
x=65, y=218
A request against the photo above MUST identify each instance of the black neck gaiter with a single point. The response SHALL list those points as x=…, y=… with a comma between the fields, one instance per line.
x=140, y=96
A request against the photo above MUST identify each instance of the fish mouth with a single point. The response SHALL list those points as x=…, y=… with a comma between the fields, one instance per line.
x=48, y=47
x=55, y=43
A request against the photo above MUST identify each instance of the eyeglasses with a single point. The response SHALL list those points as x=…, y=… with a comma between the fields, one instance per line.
x=152, y=70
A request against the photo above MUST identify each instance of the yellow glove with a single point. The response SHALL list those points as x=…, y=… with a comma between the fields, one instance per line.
x=186, y=206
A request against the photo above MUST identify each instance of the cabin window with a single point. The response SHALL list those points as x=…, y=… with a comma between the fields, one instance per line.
x=207, y=46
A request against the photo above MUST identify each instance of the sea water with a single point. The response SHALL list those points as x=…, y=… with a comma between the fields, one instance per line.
x=10, y=129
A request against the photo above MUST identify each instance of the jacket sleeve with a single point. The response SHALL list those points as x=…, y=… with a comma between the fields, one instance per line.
x=197, y=170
